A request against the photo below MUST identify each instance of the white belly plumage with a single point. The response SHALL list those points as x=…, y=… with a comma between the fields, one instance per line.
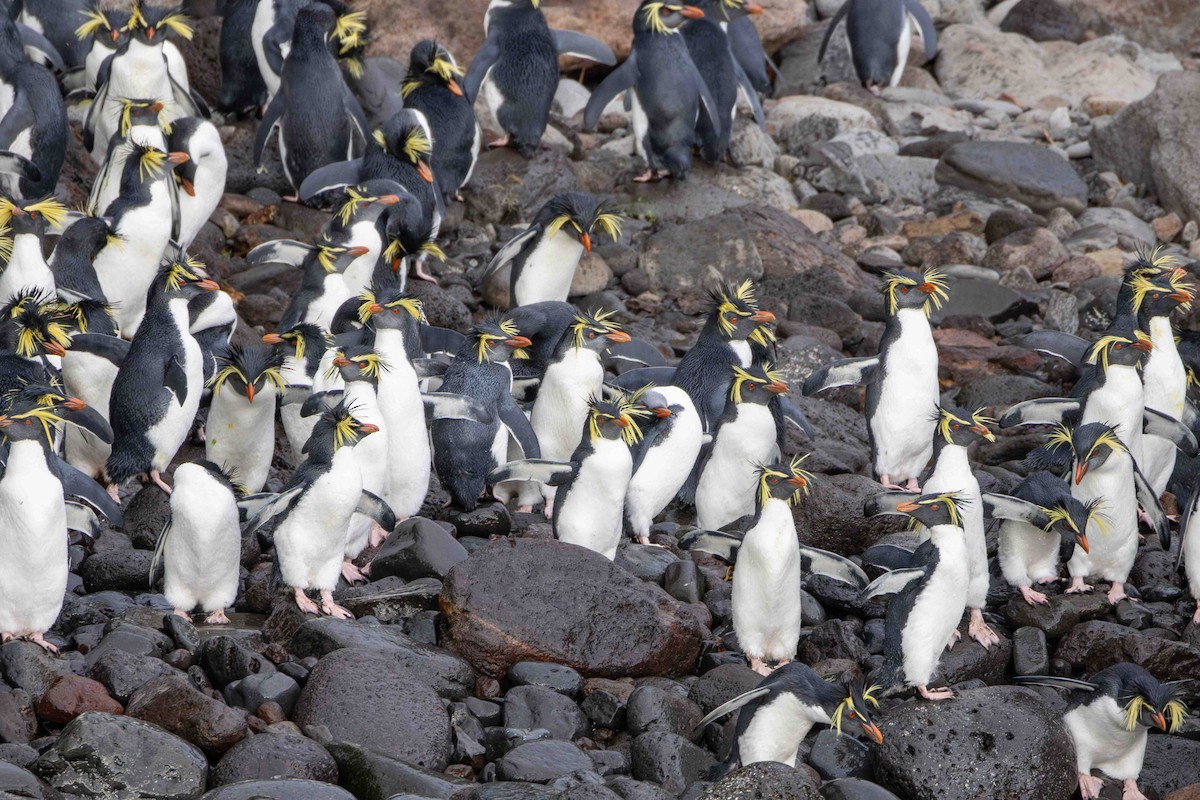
x=725, y=490
x=666, y=466
x=409, y=463
x=937, y=609
x=548, y=271
x=589, y=513
x=240, y=435
x=1112, y=541
x=1027, y=553
x=33, y=538
x=778, y=727
x=201, y=556
x=1102, y=742
x=311, y=540
x=952, y=473
x=766, y=586
x=902, y=425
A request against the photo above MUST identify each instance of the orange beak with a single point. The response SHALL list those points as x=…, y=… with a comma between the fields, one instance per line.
x=984, y=432
x=754, y=8
x=1182, y=297
x=75, y=404
x=908, y=506
x=115, y=35
x=425, y=172
x=662, y=412
x=1080, y=471
x=778, y=387
x=1081, y=540
x=454, y=87
x=355, y=252
x=1160, y=720
x=927, y=288
x=691, y=12
x=54, y=348
x=1143, y=345
x=272, y=338
x=621, y=422
x=797, y=481
x=368, y=428
x=376, y=308
x=388, y=200
x=341, y=361
x=396, y=262
x=518, y=342
x=873, y=733
x=18, y=212
x=586, y=240
x=156, y=107
x=150, y=33
x=620, y=337
x=179, y=157
x=762, y=316
x=209, y=284
x=250, y=392
x=188, y=187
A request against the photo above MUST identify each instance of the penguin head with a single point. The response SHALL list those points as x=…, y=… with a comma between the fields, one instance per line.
x=409, y=233
x=334, y=257
x=225, y=475
x=248, y=370
x=928, y=509
x=350, y=36
x=108, y=22
x=963, y=427
x=1069, y=518
x=90, y=316
x=1091, y=445
x=1122, y=349
x=29, y=419
x=596, y=330
x=581, y=215
x=181, y=276
x=498, y=340
x=616, y=418
x=368, y=199
x=302, y=341
x=335, y=429
x=201, y=141
x=1159, y=295
x=153, y=19
x=358, y=363
x=756, y=385
x=783, y=480
x=858, y=705
x=23, y=217
x=431, y=64
x=663, y=18
x=143, y=112
x=406, y=136
x=655, y=403
x=728, y=10
x=1145, y=701
x=389, y=307
x=86, y=237
x=54, y=399
x=33, y=324
x=736, y=311
x=145, y=164
x=908, y=289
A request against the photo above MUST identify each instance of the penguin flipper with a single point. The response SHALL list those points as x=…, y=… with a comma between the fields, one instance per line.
x=373, y=506
x=440, y=340
x=35, y=41
x=1167, y=427
x=1042, y=411
x=447, y=405
x=795, y=416
x=814, y=561
x=1055, y=682
x=429, y=367
x=159, y=550
x=510, y=249
x=19, y=165
x=833, y=23
x=90, y=420
x=620, y=79
x=320, y=402
x=1148, y=499
x=331, y=176
x=1185, y=520
x=1068, y=347
x=77, y=484
x=925, y=23
x=751, y=94
x=635, y=379
x=480, y=64
x=525, y=389
x=20, y=117
x=175, y=379
x=551, y=473
x=890, y=557
x=82, y=519
x=1003, y=506
x=846, y=372
x=571, y=43
x=295, y=393
x=722, y=544
x=636, y=351
x=731, y=705
x=185, y=99
x=280, y=251
x=892, y=582
x=269, y=120
x=111, y=348
x=256, y=510
x=709, y=104
x=518, y=425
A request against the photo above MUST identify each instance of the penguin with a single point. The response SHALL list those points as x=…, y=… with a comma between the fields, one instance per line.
x=315, y=112
x=931, y=595
x=272, y=33
x=709, y=46
x=106, y=29
x=33, y=132
x=878, y=33
x=663, y=459
x=591, y=485
x=1189, y=547
x=73, y=260
x=314, y=509
x=201, y=178
x=302, y=348
x=48, y=30
x=668, y=94
x=242, y=86
x=322, y=290
x=142, y=122
x=776, y=715
x=464, y=452
x=211, y=321
x=411, y=238
x=143, y=218
x=1109, y=718
x=1041, y=520
x=432, y=87
x=766, y=580
x=89, y=367
x=517, y=69
x=957, y=429
x=26, y=222
x=542, y=259
x=744, y=437
x=748, y=50
x=34, y=331
x=240, y=429
x=1103, y=469
x=200, y=548
x=157, y=390
x=362, y=221
x=902, y=385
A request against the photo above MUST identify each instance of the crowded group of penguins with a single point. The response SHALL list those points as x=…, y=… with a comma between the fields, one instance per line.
x=117, y=346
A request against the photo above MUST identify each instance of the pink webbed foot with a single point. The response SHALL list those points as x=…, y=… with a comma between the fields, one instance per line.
x=886, y=482
x=375, y=538
x=1089, y=787
x=217, y=617
x=503, y=141
x=760, y=666
x=913, y=486
x=1130, y=790
x=1078, y=586
x=525, y=509
x=351, y=573
x=331, y=608
x=1116, y=593
x=179, y=612
x=114, y=492
x=1047, y=579
x=936, y=694
x=1034, y=598
x=419, y=272
x=979, y=630
x=1196, y=615
x=41, y=642
x=305, y=603
x=157, y=477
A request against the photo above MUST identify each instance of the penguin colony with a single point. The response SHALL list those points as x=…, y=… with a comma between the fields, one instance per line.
x=118, y=344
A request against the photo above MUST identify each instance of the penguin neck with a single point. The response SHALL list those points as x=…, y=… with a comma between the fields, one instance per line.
x=949, y=458
x=948, y=537
x=390, y=345
x=911, y=319
x=1162, y=335
x=27, y=454
x=775, y=515
x=27, y=249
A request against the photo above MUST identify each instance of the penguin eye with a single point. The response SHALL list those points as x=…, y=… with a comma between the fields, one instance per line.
x=904, y=289
x=592, y=335
x=395, y=311
x=751, y=387
x=955, y=426
x=1155, y=295
x=28, y=421
x=851, y=715
x=733, y=320
x=934, y=506
x=1118, y=347
x=34, y=215
x=491, y=342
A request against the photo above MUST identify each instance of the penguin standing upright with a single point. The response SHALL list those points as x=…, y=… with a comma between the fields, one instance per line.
x=314, y=509
x=33, y=131
x=517, y=69
x=201, y=546
x=242, y=86
x=1109, y=718
x=157, y=390
x=26, y=223
x=878, y=33
x=588, y=507
x=362, y=221
x=317, y=115
x=1189, y=547
x=747, y=48
x=302, y=348
x=668, y=92
x=106, y=29
x=201, y=178
x=902, y=383
x=240, y=429
x=777, y=715
x=663, y=459
x=542, y=259
x=411, y=238
x=432, y=87
x=272, y=34
x=89, y=367
x=142, y=122
x=932, y=595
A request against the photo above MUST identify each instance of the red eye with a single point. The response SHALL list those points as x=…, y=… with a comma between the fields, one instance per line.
x=602, y=420
x=28, y=421
x=851, y=715
x=1118, y=347
x=34, y=215
x=591, y=335
x=733, y=320
x=904, y=289
x=774, y=480
x=751, y=387
x=395, y=311
x=934, y=506
x=491, y=343
x=955, y=426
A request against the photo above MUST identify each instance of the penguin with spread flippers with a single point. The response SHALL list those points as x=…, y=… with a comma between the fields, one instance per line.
x=432, y=86
x=240, y=428
x=902, y=382
x=879, y=33
x=662, y=461
x=776, y=716
x=517, y=69
x=668, y=93
x=1109, y=718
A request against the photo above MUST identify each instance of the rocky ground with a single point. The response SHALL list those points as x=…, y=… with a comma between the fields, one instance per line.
x=1032, y=157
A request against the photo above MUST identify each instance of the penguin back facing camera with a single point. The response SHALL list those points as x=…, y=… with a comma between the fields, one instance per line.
x=433, y=86
x=35, y=129
x=242, y=87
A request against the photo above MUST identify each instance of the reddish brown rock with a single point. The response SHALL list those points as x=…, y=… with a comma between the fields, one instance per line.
x=173, y=704
x=72, y=695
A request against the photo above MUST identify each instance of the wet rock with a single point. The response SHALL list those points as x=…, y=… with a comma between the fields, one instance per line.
x=1173, y=26
x=289, y=789
x=835, y=638
x=854, y=789
x=605, y=702
x=1172, y=762
x=270, y=687
x=274, y=756
x=121, y=758
x=563, y=680
x=485, y=521
x=971, y=297
x=999, y=741
x=1024, y=172
x=683, y=581
x=367, y=697
x=72, y=695
x=173, y=704
x=18, y=723
x=531, y=707
x=226, y=660
x=669, y=760
x=417, y=548
x=1031, y=655
x=970, y=660
x=835, y=756
x=391, y=599
x=1043, y=21
x=541, y=761
x=764, y=779
x=1064, y=612
x=127, y=570
x=721, y=684
x=721, y=244
x=373, y=776
x=651, y=708
x=124, y=673
x=517, y=599
x=26, y=666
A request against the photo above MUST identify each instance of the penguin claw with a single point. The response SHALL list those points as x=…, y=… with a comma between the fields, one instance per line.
x=331, y=608
x=1116, y=593
x=760, y=666
x=305, y=603
x=41, y=642
x=979, y=630
x=375, y=538
x=1078, y=586
x=1089, y=787
x=1033, y=597
x=954, y=637
x=114, y=492
x=351, y=573
x=503, y=141
x=646, y=176
x=1130, y=791
x=936, y=694
x=217, y=617
x=156, y=476
x=1196, y=615
x=419, y=272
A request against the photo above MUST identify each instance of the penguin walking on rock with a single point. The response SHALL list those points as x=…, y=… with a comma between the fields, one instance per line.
x=776, y=716
x=517, y=69
x=902, y=384
x=200, y=547
x=314, y=509
x=543, y=258
x=201, y=178
x=663, y=459
x=878, y=34
x=432, y=87
x=668, y=93
x=240, y=428
x=1109, y=718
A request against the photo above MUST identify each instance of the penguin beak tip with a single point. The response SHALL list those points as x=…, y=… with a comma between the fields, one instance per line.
x=873, y=732
x=75, y=404
x=797, y=481
x=778, y=387
x=209, y=284
x=368, y=428
x=585, y=239
x=389, y=200
x=754, y=8
x=907, y=507
x=619, y=337
x=927, y=288
x=341, y=362
x=1082, y=541
x=425, y=172
x=55, y=349
x=1160, y=720
x=662, y=413
x=691, y=12
x=1080, y=471
x=762, y=316
x=250, y=392
x=519, y=342
x=455, y=88
x=356, y=252
x=272, y=338
x=179, y=157
x=376, y=308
